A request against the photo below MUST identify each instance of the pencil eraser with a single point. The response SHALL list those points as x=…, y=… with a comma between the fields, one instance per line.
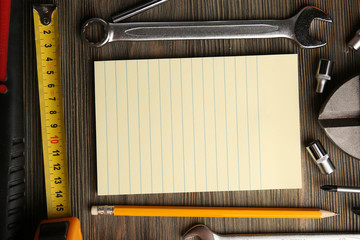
x=94, y=210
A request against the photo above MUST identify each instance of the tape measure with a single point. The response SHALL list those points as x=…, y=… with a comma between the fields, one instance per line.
x=51, y=110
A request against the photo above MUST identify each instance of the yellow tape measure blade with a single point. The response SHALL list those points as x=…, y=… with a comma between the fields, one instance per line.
x=51, y=110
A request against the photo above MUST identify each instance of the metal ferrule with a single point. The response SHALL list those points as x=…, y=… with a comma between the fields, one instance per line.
x=320, y=157
x=106, y=210
x=348, y=190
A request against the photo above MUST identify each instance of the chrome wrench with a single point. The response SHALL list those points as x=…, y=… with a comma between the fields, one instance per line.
x=295, y=28
x=204, y=233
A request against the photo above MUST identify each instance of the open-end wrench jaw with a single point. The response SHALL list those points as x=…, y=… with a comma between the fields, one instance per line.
x=303, y=21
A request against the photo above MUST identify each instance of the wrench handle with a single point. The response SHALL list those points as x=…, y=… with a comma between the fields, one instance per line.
x=198, y=30
x=136, y=10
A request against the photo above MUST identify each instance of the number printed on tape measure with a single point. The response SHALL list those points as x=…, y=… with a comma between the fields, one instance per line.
x=52, y=119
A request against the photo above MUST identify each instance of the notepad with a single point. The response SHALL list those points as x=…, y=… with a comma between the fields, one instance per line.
x=197, y=124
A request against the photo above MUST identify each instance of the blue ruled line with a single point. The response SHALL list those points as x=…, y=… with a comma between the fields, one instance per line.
x=117, y=125
x=137, y=78
x=206, y=177
x=247, y=116
x=258, y=103
x=107, y=145
x=182, y=120
x=237, y=124
x=161, y=133
x=193, y=115
x=226, y=129
x=151, y=157
x=172, y=131
x=128, y=124
x=216, y=151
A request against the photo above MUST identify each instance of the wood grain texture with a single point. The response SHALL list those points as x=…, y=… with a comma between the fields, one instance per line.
x=78, y=86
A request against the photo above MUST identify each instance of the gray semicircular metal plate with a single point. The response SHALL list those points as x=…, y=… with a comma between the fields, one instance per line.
x=340, y=117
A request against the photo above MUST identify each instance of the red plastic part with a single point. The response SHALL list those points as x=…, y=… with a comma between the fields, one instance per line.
x=4, y=36
x=3, y=88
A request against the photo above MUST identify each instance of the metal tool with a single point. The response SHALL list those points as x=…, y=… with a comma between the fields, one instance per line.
x=323, y=74
x=321, y=158
x=138, y=9
x=355, y=42
x=51, y=110
x=340, y=189
x=295, y=28
x=46, y=32
x=12, y=133
x=340, y=117
x=204, y=233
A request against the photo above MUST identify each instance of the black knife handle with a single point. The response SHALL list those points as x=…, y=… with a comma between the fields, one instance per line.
x=12, y=159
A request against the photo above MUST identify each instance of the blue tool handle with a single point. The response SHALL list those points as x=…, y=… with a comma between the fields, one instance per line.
x=12, y=160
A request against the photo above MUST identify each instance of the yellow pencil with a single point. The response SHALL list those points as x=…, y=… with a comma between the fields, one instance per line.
x=230, y=212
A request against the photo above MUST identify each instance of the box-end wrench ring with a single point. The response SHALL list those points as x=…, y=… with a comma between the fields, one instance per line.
x=296, y=28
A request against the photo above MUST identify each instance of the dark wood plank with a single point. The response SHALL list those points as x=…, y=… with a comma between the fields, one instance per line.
x=78, y=86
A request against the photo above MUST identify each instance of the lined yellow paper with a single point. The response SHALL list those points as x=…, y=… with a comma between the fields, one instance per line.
x=197, y=124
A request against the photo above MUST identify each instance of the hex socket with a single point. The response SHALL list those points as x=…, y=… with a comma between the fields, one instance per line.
x=355, y=42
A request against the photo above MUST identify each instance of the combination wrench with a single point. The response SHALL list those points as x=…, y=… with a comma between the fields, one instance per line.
x=204, y=233
x=296, y=28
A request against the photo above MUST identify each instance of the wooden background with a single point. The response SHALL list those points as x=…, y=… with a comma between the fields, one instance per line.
x=78, y=86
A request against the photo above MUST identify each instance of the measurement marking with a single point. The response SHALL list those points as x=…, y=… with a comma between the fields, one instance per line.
x=51, y=99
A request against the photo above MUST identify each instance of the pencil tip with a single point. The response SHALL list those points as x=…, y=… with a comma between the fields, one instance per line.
x=326, y=214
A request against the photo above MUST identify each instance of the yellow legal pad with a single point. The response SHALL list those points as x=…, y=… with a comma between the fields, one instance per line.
x=197, y=124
